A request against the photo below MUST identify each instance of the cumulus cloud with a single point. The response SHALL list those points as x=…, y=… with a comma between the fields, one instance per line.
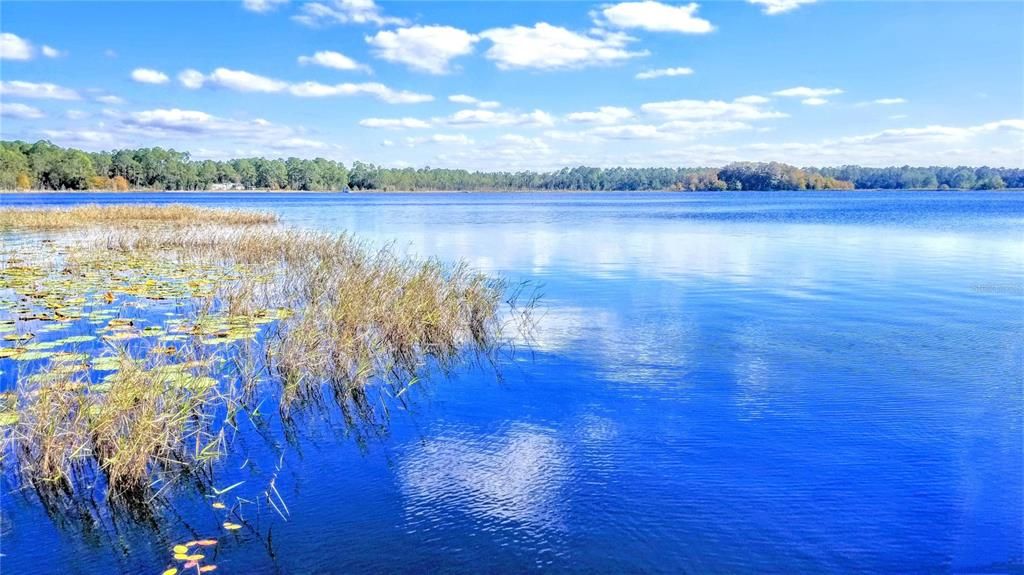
x=710, y=109
x=450, y=139
x=149, y=76
x=377, y=90
x=110, y=99
x=335, y=60
x=20, y=111
x=242, y=81
x=14, y=47
x=424, y=48
x=603, y=115
x=547, y=47
x=470, y=100
x=206, y=135
x=41, y=90
x=663, y=73
x=654, y=17
x=773, y=7
x=344, y=12
x=175, y=122
x=752, y=100
x=814, y=101
x=394, y=123
x=50, y=51
x=805, y=92
x=481, y=117
x=191, y=79
x=262, y=6
x=80, y=138
x=935, y=133
x=888, y=101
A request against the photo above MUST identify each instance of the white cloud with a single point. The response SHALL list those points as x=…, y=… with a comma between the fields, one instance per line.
x=51, y=52
x=935, y=134
x=14, y=47
x=655, y=17
x=379, y=91
x=629, y=132
x=470, y=100
x=805, y=92
x=773, y=7
x=173, y=119
x=479, y=117
x=80, y=138
x=242, y=81
x=335, y=60
x=752, y=100
x=22, y=111
x=450, y=139
x=344, y=12
x=109, y=99
x=43, y=90
x=547, y=47
x=300, y=143
x=394, y=123
x=262, y=6
x=204, y=134
x=814, y=101
x=424, y=48
x=191, y=79
x=663, y=73
x=149, y=76
x=75, y=114
x=708, y=109
x=174, y=122
x=889, y=101
x=603, y=115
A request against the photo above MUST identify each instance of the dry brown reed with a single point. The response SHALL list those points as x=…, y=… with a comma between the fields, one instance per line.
x=90, y=215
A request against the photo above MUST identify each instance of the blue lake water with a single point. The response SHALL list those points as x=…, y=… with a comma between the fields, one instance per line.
x=719, y=383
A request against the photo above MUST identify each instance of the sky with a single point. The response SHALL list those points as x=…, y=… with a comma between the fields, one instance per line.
x=523, y=85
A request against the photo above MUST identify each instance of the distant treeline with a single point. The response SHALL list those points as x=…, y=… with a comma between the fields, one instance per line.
x=43, y=165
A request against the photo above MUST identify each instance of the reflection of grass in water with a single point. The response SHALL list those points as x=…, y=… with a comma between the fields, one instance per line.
x=256, y=313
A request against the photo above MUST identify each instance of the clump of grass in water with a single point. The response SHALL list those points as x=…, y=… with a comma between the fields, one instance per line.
x=353, y=316
x=91, y=215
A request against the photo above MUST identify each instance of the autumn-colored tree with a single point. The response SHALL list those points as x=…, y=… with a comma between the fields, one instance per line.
x=119, y=183
x=99, y=183
x=23, y=182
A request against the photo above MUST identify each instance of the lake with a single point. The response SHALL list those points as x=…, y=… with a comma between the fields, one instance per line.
x=718, y=383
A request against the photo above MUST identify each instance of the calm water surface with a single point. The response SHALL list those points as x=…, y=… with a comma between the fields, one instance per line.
x=720, y=383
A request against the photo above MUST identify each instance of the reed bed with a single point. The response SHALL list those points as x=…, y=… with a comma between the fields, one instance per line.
x=299, y=317
x=92, y=215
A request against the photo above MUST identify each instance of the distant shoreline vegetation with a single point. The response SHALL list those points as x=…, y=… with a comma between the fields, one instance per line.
x=44, y=166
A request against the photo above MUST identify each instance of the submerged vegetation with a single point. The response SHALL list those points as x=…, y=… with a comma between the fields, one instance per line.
x=133, y=353
x=42, y=165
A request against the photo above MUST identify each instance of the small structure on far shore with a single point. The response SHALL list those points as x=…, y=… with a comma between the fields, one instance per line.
x=228, y=187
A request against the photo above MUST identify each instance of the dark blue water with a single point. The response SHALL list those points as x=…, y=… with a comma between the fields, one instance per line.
x=719, y=383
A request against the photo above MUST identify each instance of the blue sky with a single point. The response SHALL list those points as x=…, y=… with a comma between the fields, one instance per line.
x=527, y=85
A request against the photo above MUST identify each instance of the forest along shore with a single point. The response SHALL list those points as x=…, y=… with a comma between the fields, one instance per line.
x=43, y=166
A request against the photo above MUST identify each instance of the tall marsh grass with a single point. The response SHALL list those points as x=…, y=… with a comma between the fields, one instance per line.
x=346, y=320
x=90, y=215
